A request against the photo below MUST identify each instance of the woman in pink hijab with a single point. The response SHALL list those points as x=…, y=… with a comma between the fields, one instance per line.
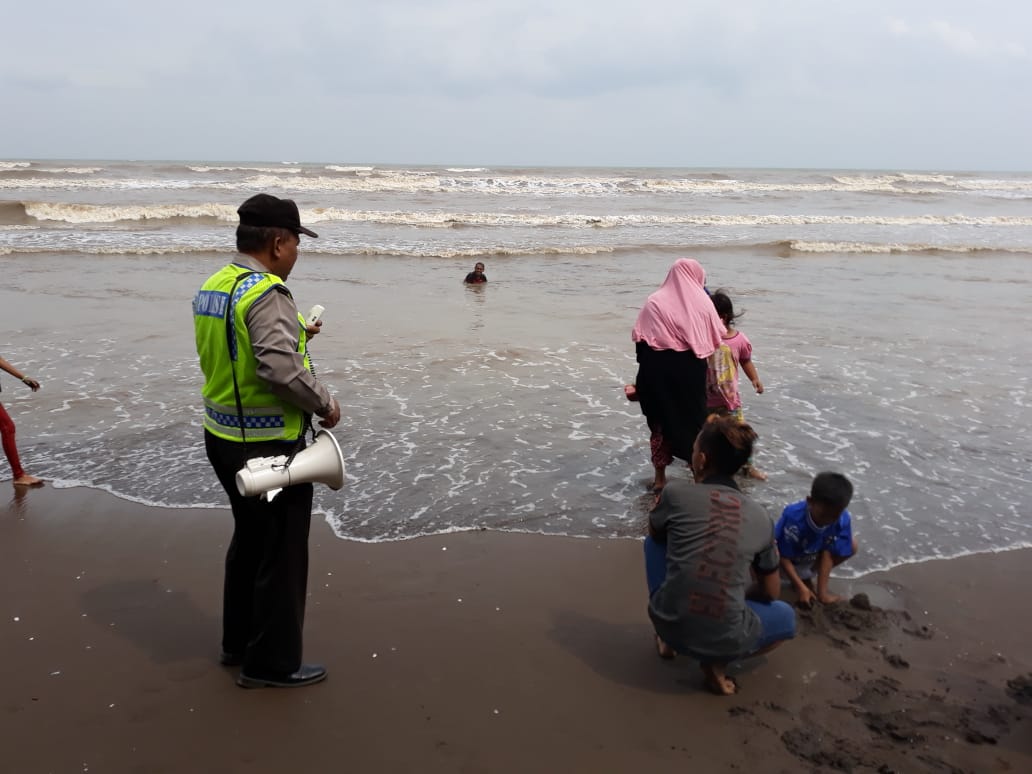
x=677, y=329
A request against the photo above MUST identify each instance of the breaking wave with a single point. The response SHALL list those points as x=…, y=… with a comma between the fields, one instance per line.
x=267, y=170
x=479, y=180
x=206, y=212
x=802, y=246
x=783, y=248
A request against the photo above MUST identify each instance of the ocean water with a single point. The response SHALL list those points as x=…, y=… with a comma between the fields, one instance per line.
x=888, y=312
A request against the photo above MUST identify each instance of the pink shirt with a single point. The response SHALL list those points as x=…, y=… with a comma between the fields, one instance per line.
x=741, y=351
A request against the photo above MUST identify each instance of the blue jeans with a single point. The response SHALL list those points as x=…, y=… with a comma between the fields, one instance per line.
x=777, y=618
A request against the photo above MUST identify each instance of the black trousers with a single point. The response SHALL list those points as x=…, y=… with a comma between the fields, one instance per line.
x=263, y=603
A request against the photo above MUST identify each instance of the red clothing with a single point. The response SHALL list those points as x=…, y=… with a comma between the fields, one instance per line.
x=7, y=435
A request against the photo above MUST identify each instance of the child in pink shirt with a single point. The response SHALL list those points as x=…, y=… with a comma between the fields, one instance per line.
x=723, y=397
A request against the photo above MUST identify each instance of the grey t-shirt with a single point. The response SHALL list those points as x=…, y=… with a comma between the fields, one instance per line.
x=713, y=534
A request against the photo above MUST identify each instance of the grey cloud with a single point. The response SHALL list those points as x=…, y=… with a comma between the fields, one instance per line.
x=751, y=82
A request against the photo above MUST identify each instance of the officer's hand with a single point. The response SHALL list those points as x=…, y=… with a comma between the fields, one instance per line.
x=331, y=419
x=311, y=330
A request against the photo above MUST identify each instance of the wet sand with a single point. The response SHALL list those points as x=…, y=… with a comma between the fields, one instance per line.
x=480, y=652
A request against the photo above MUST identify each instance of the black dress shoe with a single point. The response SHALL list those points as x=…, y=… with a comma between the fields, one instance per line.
x=306, y=675
x=231, y=659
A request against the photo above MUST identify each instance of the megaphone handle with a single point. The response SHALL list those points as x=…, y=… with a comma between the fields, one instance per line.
x=299, y=444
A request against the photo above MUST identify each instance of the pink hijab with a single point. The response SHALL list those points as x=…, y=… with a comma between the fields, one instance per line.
x=680, y=315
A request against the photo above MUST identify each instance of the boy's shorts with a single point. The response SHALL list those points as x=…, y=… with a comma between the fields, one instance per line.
x=808, y=568
x=805, y=571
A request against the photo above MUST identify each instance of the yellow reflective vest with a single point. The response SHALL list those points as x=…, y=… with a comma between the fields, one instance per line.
x=224, y=350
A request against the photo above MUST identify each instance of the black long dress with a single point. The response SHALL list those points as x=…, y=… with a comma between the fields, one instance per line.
x=672, y=392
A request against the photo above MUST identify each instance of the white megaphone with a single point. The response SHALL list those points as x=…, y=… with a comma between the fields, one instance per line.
x=322, y=462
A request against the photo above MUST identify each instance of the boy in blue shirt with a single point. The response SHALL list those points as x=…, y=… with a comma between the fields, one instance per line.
x=815, y=535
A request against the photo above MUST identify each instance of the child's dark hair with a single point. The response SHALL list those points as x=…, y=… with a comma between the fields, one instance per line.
x=834, y=489
x=725, y=309
x=727, y=444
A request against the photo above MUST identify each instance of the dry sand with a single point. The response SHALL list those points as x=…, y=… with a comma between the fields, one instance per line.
x=481, y=652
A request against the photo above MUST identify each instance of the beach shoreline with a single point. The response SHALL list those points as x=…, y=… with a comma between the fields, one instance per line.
x=503, y=406
x=479, y=651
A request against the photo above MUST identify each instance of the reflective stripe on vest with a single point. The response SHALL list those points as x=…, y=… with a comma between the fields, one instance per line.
x=264, y=423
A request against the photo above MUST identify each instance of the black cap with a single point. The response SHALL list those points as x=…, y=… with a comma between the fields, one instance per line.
x=266, y=211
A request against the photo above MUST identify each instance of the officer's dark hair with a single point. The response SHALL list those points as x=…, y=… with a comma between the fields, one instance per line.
x=833, y=489
x=255, y=239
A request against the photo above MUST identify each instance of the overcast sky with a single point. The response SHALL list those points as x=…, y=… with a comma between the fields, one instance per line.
x=924, y=84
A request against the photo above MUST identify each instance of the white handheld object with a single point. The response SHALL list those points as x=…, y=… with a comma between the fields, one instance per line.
x=321, y=462
x=315, y=314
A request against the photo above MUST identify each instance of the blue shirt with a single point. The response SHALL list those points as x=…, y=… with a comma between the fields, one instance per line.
x=800, y=540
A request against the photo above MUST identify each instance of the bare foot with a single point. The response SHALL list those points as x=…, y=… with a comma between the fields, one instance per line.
x=829, y=599
x=28, y=480
x=659, y=481
x=718, y=682
x=631, y=392
x=756, y=473
x=665, y=651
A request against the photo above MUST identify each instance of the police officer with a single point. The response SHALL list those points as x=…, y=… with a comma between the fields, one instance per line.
x=258, y=389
